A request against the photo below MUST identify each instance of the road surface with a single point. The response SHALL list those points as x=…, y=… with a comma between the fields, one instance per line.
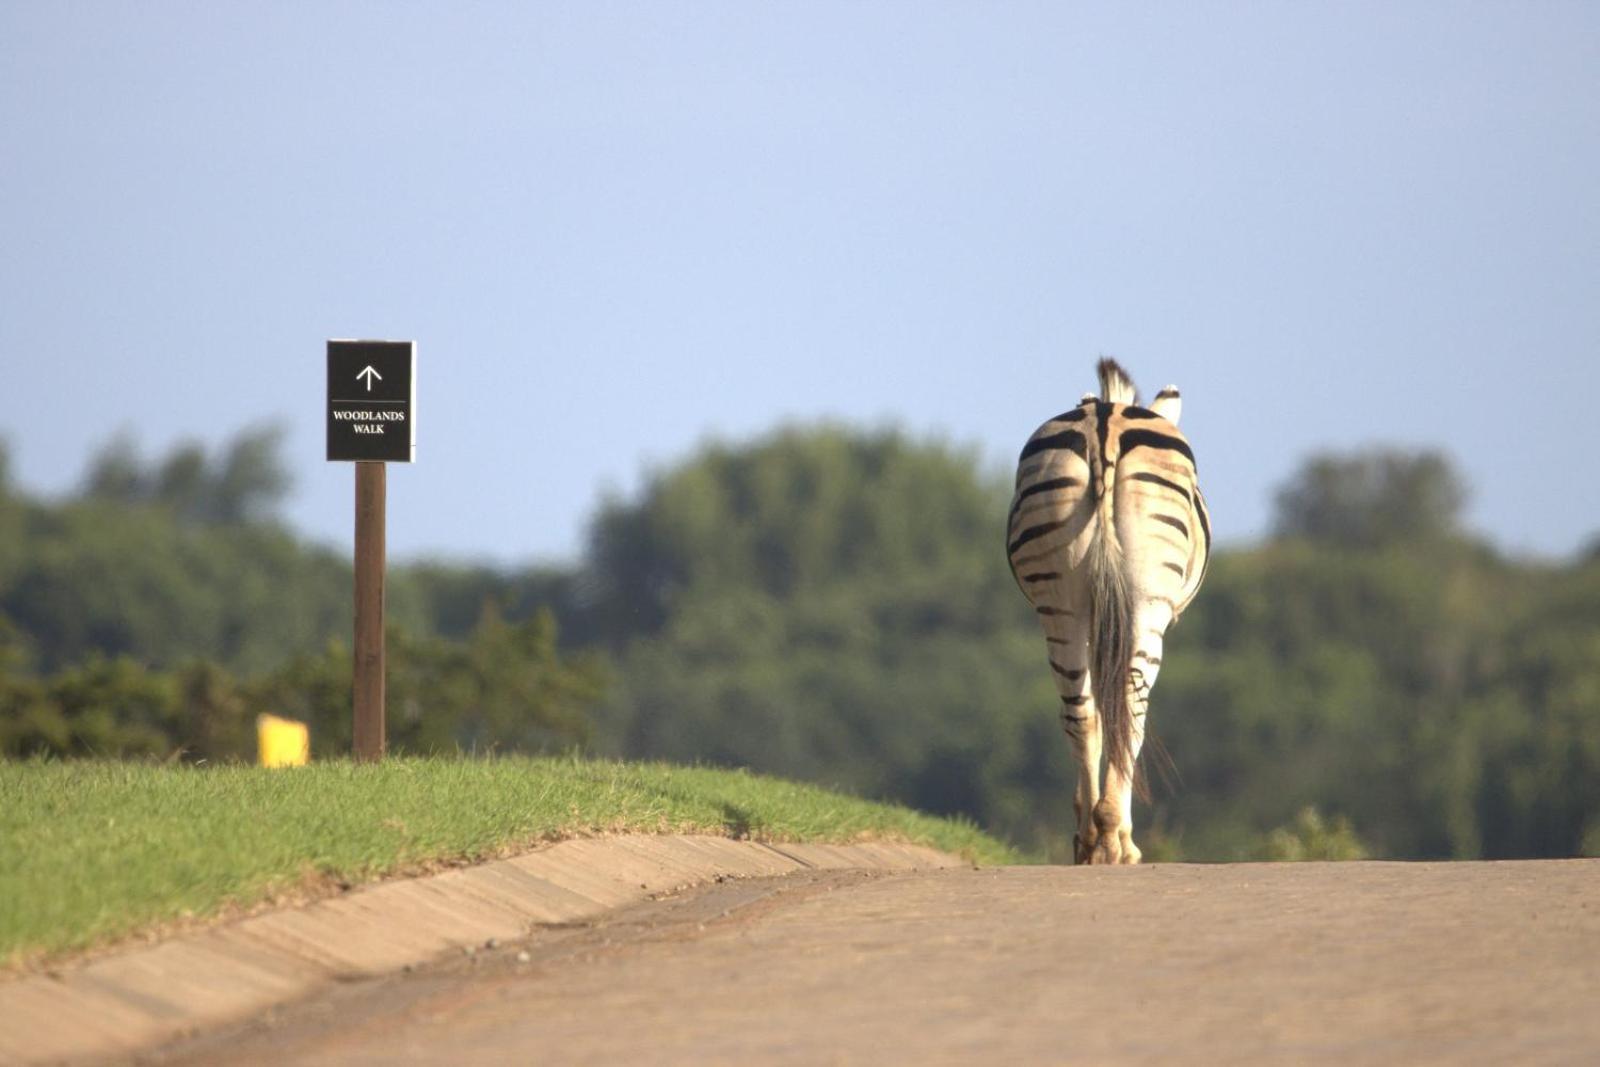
x=1304, y=963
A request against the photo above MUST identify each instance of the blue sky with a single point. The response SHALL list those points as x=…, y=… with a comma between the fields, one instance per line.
x=616, y=230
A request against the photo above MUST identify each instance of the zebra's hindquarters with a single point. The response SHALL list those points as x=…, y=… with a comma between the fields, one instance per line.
x=1108, y=539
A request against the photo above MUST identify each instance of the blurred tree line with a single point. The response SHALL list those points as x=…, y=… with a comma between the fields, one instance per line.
x=834, y=605
x=157, y=611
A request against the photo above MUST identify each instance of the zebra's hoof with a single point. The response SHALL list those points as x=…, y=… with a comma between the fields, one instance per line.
x=1108, y=851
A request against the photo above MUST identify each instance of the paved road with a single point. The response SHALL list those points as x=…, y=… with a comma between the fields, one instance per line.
x=1352, y=963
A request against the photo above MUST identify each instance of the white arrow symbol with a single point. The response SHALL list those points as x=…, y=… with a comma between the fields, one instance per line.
x=369, y=374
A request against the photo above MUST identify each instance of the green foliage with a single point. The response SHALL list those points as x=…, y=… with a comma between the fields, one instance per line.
x=831, y=606
x=450, y=599
x=506, y=685
x=796, y=511
x=1311, y=837
x=176, y=560
x=99, y=578
x=159, y=613
x=1372, y=498
x=834, y=605
x=1442, y=698
x=244, y=483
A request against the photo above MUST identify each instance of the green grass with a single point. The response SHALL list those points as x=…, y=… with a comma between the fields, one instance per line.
x=93, y=851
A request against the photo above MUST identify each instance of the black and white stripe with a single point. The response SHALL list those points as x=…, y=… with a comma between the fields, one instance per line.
x=1108, y=538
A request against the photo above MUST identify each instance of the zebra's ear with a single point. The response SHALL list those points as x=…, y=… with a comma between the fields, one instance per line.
x=1168, y=404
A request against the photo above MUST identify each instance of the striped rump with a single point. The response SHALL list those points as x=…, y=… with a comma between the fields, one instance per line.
x=1108, y=539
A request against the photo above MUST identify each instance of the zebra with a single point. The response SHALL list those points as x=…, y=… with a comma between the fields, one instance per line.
x=1109, y=539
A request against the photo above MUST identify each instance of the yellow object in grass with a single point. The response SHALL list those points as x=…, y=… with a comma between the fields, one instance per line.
x=283, y=742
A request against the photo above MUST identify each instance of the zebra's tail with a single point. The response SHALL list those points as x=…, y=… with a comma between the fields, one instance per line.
x=1111, y=637
x=1115, y=385
x=1111, y=628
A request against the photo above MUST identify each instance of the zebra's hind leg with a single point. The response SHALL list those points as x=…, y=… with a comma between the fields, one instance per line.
x=1114, y=814
x=1069, y=662
x=1082, y=726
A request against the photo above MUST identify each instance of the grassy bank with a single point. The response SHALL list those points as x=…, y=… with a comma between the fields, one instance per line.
x=91, y=852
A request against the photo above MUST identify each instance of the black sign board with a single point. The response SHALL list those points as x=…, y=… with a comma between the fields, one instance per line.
x=372, y=401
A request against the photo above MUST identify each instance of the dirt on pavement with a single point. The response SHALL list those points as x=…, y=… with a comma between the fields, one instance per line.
x=1358, y=962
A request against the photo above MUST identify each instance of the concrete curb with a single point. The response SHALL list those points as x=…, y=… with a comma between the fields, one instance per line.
x=149, y=995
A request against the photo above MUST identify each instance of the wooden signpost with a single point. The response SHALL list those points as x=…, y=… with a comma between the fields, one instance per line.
x=372, y=397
